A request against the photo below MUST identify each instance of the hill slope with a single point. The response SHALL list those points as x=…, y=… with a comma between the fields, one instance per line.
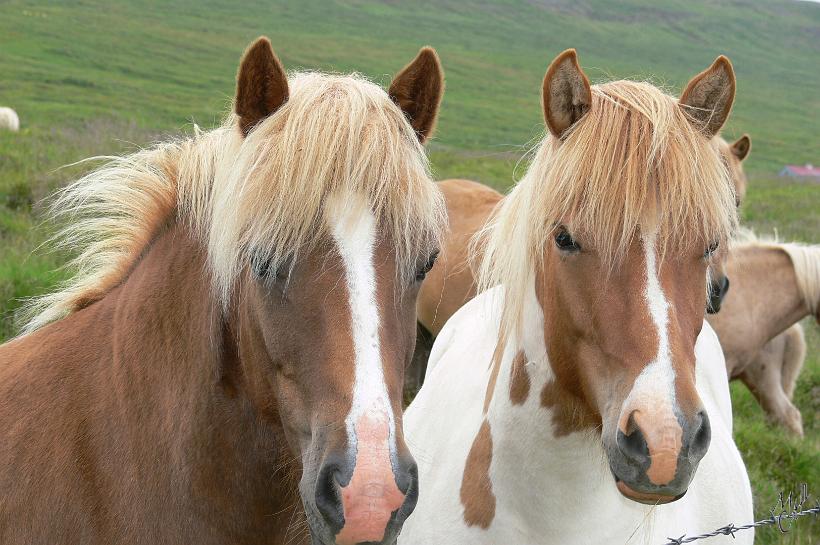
x=164, y=63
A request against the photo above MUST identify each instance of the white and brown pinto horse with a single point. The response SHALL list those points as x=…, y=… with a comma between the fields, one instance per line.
x=226, y=367
x=451, y=283
x=768, y=366
x=583, y=382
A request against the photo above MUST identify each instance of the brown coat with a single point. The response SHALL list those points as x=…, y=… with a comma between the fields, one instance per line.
x=120, y=423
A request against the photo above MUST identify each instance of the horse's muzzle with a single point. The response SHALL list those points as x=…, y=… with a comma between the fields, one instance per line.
x=365, y=503
x=717, y=291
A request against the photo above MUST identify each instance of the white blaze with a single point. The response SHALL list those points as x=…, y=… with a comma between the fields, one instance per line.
x=353, y=227
x=659, y=375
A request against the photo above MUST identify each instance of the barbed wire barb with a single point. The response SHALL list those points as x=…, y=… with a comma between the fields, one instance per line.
x=790, y=508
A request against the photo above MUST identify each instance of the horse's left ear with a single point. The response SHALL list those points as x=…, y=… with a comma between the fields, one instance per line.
x=261, y=85
x=708, y=97
x=418, y=89
x=741, y=147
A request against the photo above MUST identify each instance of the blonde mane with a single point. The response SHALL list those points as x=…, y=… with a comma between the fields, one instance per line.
x=633, y=162
x=805, y=259
x=253, y=198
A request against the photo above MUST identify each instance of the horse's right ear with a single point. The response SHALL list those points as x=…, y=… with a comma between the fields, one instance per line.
x=261, y=85
x=708, y=97
x=566, y=95
x=741, y=147
x=418, y=89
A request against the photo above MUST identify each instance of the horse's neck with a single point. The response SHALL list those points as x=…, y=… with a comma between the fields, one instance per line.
x=176, y=365
x=166, y=326
x=537, y=443
x=765, y=289
x=536, y=417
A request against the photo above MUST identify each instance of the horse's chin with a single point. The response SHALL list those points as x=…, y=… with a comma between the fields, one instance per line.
x=645, y=497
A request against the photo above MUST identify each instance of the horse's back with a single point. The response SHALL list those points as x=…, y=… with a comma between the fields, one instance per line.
x=450, y=283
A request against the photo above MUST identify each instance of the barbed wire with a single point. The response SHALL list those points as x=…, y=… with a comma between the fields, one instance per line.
x=789, y=509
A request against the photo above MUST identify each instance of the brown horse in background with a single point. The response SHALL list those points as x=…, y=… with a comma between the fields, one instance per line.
x=227, y=364
x=734, y=154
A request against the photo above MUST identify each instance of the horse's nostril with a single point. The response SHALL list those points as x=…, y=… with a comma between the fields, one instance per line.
x=633, y=446
x=408, y=482
x=700, y=438
x=328, y=498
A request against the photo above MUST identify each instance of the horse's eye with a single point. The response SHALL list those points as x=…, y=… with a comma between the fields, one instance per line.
x=421, y=273
x=264, y=269
x=564, y=240
x=711, y=249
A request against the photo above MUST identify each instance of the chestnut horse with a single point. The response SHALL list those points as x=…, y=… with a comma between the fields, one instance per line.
x=774, y=286
x=734, y=154
x=583, y=381
x=227, y=364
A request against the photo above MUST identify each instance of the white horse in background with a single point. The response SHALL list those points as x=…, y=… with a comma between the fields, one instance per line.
x=9, y=119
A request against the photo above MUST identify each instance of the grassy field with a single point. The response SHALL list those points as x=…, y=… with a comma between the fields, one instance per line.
x=91, y=78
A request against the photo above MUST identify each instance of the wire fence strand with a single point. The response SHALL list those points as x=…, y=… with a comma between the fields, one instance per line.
x=789, y=509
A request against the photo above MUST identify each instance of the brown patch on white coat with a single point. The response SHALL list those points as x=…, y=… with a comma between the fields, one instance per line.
x=519, y=379
x=476, y=491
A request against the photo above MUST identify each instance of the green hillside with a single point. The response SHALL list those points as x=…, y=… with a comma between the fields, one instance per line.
x=163, y=65
x=90, y=78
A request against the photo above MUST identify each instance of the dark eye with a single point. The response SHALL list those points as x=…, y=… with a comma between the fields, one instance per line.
x=711, y=249
x=264, y=269
x=421, y=273
x=564, y=240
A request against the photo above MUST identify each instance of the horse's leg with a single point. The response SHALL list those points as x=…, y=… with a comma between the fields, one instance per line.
x=793, y=357
x=763, y=378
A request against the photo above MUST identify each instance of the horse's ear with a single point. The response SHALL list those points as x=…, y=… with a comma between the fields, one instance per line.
x=708, y=98
x=566, y=95
x=261, y=85
x=741, y=147
x=418, y=89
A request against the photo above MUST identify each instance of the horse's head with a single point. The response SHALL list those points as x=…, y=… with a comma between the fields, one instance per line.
x=626, y=204
x=334, y=221
x=733, y=155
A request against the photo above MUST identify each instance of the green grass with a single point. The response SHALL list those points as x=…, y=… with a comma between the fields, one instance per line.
x=91, y=78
